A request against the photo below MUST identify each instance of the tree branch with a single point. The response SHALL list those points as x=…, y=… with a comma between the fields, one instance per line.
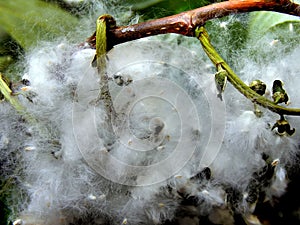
x=188, y=23
x=237, y=82
x=185, y=23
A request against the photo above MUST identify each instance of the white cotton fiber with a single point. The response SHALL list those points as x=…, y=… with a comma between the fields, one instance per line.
x=149, y=164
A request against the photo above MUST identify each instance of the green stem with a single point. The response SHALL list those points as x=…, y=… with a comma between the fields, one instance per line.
x=102, y=47
x=217, y=60
x=104, y=23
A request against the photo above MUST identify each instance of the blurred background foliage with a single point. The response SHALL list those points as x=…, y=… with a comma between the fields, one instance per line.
x=25, y=24
x=150, y=9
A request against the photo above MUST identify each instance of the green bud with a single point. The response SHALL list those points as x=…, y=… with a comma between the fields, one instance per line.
x=221, y=80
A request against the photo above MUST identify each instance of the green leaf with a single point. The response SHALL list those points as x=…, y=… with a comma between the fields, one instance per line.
x=260, y=23
x=151, y=9
x=271, y=35
x=263, y=22
x=31, y=21
x=5, y=61
x=140, y=5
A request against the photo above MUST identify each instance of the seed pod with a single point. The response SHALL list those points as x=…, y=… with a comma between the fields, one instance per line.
x=233, y=198
x=122, y=80
x=258, y=86
x=279, y=94
x=261, y=180
x=283, y=127
x=204, y=174
x=221, y=80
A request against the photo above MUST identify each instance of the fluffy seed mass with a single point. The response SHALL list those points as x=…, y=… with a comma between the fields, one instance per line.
x=173, y=154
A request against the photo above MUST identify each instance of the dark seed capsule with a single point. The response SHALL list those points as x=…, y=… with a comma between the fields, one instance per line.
x=283, y=127
x=258, y=86
x=277, y=86
x=279, y=94
x=119, y=80
x=233, y=198
x=205, y=174
x=122, y=80
x=25, y=82
x=260, y=180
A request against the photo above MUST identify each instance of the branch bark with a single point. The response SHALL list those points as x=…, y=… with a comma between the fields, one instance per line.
x=185, y=23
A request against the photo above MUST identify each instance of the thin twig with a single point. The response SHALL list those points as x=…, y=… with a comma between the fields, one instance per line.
x=104, y=22
x=237, y=82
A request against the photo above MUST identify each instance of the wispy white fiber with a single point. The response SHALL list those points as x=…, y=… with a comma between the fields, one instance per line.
x=168, y=107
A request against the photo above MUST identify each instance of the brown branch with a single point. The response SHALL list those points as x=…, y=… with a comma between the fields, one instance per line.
x=185, y=23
